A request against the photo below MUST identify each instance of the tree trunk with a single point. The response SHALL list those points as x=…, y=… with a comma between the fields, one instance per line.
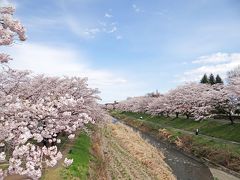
x=187, y=116
x=177, y=114
x=231, y=118
x=45, y=142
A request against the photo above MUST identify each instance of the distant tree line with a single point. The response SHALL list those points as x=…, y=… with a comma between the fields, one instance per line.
x=204, y=100
x=154, y=94
x=211, y=79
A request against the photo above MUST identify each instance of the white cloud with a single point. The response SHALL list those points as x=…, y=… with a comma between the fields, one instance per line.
x=215, y=58
x=7, y=3
x=59, y=61
x=219, y=63
x=119, y=37
x=163, y=13
x=92, y=32
x=108, y=15
x=90, y=29
x=80, y=30
x=136, y=8
x=114, y=29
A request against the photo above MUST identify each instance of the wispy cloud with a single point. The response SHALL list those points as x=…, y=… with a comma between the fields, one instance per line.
x=81, y=31
x=216, y=58
x=7, y=3
x=136, y=8
x=119, y=37
x=107, y=15
x=92, y=32
x=163, y=12
x=218, y=63
x=114, y=29
x=90, y=29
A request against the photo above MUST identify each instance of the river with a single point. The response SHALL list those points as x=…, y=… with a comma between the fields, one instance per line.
x=183, y=166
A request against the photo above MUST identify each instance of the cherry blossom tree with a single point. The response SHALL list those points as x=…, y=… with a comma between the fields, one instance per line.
x=234, y=81
x=223, y=100
x=9, y=29
x=189, y=99
x=36, y=110
x=186, y=99
x=197, y=100
x=159, y=106
x=234, y=86
x=41, y=109
x=233, y=73
x=135, y=104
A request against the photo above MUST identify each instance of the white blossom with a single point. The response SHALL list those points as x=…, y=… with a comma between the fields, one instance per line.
x=68, y=162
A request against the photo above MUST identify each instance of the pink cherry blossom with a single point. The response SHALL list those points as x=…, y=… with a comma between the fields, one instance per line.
x=36, y=110
x=68, y=162
x=9, y=28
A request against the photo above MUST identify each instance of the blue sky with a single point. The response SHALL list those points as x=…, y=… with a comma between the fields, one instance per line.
x=128, y=48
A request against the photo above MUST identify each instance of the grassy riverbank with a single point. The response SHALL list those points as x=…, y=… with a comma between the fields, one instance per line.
x=173, y=131
x=206, y=127
x=79, y=151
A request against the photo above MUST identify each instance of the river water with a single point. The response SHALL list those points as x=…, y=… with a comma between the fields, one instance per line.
x=183, y=166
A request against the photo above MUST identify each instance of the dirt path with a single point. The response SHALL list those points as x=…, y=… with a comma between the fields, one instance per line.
x=128, y=156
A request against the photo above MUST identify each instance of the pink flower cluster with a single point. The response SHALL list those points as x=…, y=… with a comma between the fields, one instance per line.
x=41, y=109
x=68, y=162
x=9, y=28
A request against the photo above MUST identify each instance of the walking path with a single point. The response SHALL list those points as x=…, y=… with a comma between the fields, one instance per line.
x=222, y=175
x=193, y=133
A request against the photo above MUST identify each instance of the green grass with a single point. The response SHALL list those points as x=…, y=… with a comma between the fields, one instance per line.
x=207, y=127
x=4, y=166
x=80, y=153
x=200, y=142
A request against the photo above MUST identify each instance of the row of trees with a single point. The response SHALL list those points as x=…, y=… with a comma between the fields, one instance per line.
x=197, y=100
x=36, y=110
x=211, y=79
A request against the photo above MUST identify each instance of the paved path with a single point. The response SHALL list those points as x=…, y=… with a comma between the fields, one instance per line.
x=220, y=175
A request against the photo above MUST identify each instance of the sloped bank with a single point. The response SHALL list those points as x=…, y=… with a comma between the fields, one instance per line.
x=123, y=154
x=220, y=155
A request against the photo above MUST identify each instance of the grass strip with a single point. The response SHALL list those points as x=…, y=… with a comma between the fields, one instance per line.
x=80, y=153
x=216, y=129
